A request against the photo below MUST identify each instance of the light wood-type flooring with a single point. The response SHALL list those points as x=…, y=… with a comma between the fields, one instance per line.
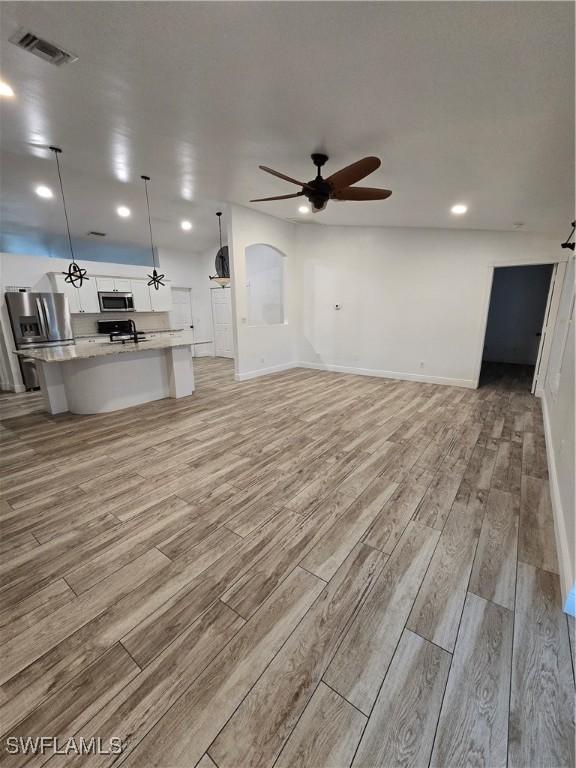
x=307, y=569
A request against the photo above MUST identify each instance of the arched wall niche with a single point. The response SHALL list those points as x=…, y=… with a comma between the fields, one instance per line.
x=265, y=267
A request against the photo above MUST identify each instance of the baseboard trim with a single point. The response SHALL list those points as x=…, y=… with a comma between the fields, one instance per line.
x=17, y=388
x=467, y=383
x=424, y=379
x=265, y=371
x=567, y=576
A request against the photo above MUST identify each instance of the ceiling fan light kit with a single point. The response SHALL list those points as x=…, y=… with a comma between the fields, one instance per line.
x=338, y=186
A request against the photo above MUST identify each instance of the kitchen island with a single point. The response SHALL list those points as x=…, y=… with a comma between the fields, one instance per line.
x=99, y=378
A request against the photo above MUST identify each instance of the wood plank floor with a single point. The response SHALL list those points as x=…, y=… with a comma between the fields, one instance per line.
x=308, y=569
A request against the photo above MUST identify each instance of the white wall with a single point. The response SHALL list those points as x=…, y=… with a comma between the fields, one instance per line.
x=414, y=301
x=517, y=306
x=266, y=348
x=264, y=285
x=560, y=426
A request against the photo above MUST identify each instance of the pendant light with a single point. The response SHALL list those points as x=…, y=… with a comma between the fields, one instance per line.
x=155, y=278
x=75, y=274
x=222, y=276
x=569, y=242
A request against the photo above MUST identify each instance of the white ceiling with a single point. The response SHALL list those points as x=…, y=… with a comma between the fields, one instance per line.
x=463, y=101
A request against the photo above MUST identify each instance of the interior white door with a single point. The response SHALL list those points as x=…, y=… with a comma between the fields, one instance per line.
x=181, y=311
x=222, y=319
x=554, y=293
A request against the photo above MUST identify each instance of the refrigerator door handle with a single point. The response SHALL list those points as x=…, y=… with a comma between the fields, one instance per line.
x=46, y=315
x=42, y=318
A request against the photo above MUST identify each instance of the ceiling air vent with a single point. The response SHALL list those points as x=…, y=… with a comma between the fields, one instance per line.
x=97, y=234
x=42, y=48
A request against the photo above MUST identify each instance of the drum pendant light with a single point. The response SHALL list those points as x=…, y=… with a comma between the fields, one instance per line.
x=75, y=274
x=222, y=276
x=155, y=278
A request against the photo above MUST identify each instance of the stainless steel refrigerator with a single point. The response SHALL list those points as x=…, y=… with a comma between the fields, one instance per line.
x=38, y=320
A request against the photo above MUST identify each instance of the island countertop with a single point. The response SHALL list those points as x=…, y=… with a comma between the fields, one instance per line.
x=63, y=354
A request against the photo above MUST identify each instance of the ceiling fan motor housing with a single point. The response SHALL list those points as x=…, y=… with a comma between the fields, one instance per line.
x=318, y=193
x=318, y=190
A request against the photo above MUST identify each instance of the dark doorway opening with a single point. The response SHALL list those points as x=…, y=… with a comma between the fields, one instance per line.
x=518, y=303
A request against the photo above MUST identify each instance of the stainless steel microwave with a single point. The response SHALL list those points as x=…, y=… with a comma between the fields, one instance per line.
x=115, y=301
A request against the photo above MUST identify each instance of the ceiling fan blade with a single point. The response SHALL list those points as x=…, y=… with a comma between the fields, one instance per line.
x=353, y=173
x=361, y=193
x=278, y=197
x=282, y=176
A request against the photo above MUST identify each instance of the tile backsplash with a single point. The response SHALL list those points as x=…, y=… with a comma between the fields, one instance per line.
x=87, y=325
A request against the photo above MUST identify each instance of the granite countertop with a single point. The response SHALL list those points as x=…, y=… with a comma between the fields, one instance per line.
x=149, y=330
x=86, y=351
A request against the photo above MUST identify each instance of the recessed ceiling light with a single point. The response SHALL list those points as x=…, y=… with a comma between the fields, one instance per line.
x=6, y=90
x=186, y=225
x=43, y=191
x=459, y=209
x=303, y=209
x=123, y=211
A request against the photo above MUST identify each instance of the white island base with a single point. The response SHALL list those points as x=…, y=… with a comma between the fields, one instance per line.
x=112, y=379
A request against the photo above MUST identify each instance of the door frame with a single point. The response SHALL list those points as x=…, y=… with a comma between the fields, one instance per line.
x=223, y=288
x=555, y=291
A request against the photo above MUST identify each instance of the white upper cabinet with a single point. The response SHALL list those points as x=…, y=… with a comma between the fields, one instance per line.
x=141, y=295
x=105, y=284
x=89, y=296
x=80, y=300
x=73, y=294
x=113, y=284
x=161, y=299
x=122, y=285
x=85, y=299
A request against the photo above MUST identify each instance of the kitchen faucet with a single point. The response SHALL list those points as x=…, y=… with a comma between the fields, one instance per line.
x=134, y=333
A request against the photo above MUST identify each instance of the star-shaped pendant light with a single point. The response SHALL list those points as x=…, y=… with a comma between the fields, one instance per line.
x=155, y=278
x=76, y=274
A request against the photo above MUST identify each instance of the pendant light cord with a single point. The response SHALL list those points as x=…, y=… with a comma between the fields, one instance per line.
x=219, y=214
x=57, y=151
x=146, y=180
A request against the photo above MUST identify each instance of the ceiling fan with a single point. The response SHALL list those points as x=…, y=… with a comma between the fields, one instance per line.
x=335, y=187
